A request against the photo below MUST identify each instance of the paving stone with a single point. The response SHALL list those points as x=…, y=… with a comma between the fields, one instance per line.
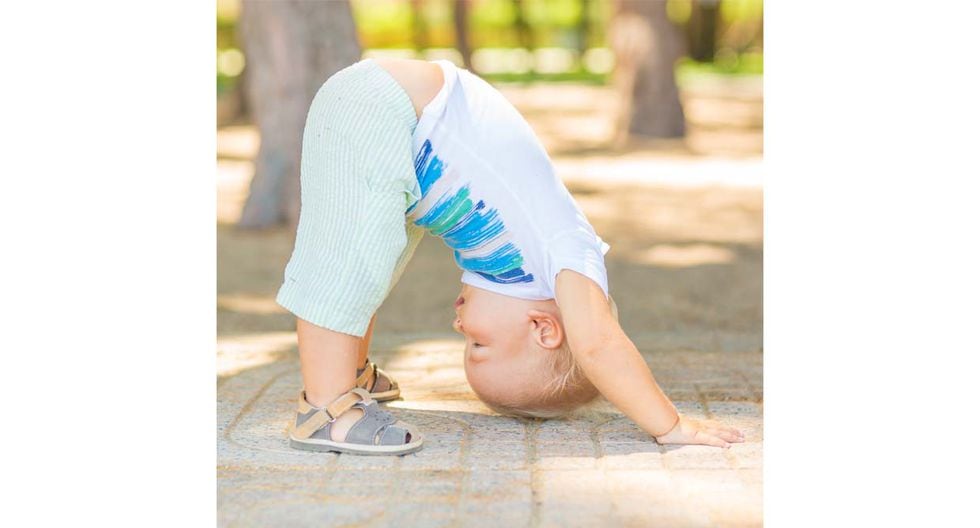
x=407, y=514
x=474, y=513
x=730, y=393
x=747, y=455
x=496, y=455
x=569, y=455
x=564, y=431
x=572, y=498
x=426, y=485
x=691, y=408
x=566, y=462
x=499, y=434
x=644, y=498
x=441, y=456
x=594, y=468
x=283, y=512
x=625, y=456
x=497, y=485
x=632, y=435
x=696, y=457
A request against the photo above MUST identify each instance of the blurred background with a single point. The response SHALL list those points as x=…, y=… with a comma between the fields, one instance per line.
x=651, y=112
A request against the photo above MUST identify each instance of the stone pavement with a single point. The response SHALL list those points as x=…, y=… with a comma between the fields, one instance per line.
x=479, y=469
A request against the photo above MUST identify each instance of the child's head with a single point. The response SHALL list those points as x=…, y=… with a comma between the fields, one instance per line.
x=517, y=358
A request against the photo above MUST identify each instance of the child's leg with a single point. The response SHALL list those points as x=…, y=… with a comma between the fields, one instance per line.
x=357, y=180
x=328, y=361
x=362, y=352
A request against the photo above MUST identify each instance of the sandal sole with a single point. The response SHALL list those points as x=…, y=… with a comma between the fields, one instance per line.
x=323, y=446
x=387, y=395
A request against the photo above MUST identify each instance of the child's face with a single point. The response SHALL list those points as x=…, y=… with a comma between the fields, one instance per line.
x=502, y=359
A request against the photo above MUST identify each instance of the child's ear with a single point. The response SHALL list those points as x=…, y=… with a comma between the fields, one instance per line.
x=547, y=330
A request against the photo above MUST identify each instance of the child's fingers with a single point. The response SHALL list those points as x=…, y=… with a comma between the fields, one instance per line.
x=728, y=436
x=715, y=424
x=716, y=427
x=702, y=437
x=727, y=429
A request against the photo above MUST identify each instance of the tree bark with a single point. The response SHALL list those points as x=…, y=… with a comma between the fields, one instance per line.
x=703, y=29
x=291, y=47
x=647, y=45
x=420, y=30
x=462, y=30
x=583, y=28
x=521, y=28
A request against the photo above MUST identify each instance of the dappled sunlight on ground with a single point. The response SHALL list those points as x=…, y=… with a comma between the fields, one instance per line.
x=245, y=303
x=674, y=256
x=233, y=177
x=237, y=353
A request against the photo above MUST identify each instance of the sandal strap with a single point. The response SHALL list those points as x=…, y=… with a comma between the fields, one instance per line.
x=369, y=368
x=346, y=401
x=327, y=414
x=371, y=428
x=381, y=374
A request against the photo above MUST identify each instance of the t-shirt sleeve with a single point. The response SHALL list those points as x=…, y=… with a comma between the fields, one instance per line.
x=579, y=250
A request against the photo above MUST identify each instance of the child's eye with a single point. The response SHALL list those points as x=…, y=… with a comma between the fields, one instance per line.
x=477, y=345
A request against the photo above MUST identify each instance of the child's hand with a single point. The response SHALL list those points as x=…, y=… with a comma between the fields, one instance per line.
x=702, y=432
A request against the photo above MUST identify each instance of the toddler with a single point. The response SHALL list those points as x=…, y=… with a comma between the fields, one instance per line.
x=396, y=148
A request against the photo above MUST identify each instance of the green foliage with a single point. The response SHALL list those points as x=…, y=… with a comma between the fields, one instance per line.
x=679, y=11
x=733, y=11
x=578, y=76
x=384, y=23
x=553, y=13
x=744, y=64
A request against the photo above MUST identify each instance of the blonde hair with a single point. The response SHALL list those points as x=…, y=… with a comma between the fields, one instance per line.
x=567, y=390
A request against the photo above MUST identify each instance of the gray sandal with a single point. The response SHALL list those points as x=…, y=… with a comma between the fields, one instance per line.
x=383, y=388
x=377, y=432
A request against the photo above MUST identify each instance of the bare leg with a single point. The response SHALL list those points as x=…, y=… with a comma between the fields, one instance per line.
x=365, y=346
x=328, y=361
x=362, y=352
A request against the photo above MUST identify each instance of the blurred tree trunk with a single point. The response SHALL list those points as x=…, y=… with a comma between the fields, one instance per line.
x=521, y=28
x=647, y=45
x=420, y=30
x=291, y=47
x=582, y=29
x=462, y=27
x=703, y=29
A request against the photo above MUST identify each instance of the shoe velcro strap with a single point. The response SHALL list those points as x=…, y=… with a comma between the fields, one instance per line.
x=379, y=374
x=312, y=424
x=345, y=402
x=303, y=406
x=362, y=380
x=329, y=413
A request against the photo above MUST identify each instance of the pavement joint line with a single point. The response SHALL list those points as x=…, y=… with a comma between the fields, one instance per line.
x=247, y=408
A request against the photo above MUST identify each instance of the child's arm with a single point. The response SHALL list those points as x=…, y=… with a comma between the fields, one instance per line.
x=614, y=365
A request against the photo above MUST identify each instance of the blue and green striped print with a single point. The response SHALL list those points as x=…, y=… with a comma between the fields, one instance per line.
x=466, y=226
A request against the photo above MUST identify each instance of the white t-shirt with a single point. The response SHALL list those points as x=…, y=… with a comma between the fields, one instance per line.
x=490, y=192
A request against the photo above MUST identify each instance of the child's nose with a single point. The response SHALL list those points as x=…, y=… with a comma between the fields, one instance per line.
x=458, y=325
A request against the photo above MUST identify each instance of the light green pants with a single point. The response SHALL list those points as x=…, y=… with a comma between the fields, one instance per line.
x=357, y=180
